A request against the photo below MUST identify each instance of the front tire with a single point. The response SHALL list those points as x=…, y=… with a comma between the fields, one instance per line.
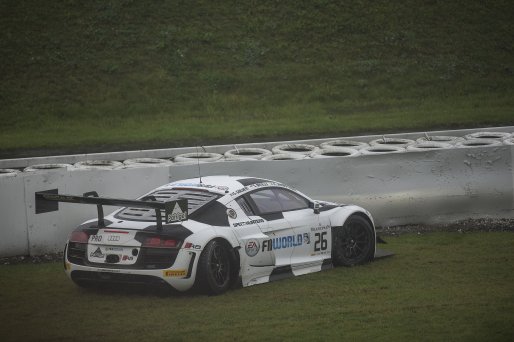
x=353, y=243
x=214, y=274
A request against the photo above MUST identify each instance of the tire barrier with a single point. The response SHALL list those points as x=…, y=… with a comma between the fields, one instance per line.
x=488, y=135
x=246, y=154
x=441, y=139
x=478, y=143
x=429, y=146
x=285, y=156
x=98, y=165
x=8, y=172
x=147, y=162
x=47, y=167
x=440, y=185
x=197, y=157
x=304, y=149
x=399, y=142
x=334, y=152
x=343, y=143
x=381, y=149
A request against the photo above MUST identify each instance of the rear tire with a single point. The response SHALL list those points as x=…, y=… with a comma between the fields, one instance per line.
x=353, y=243
x=214, y=275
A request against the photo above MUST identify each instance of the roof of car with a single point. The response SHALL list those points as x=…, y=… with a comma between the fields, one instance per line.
x=219, y=184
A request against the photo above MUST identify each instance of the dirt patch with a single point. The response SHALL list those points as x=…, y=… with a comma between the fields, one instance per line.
x=465, y=226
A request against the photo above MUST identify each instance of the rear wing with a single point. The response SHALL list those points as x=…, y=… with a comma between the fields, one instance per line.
x=175, y=211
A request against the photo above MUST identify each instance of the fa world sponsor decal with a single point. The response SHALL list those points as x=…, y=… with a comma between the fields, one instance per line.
x=284, y=242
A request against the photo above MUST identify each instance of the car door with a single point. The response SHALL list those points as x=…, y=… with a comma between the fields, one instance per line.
x=312, y=229
x=281, y=238
x=248, y=229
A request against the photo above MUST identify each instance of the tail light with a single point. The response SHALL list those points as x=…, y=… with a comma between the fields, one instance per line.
x=79, y=236
x=159, y=242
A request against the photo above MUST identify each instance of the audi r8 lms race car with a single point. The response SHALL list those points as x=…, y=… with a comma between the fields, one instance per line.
x=212, y=233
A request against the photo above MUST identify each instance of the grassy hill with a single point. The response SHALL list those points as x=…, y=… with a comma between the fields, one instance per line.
x=94, y=74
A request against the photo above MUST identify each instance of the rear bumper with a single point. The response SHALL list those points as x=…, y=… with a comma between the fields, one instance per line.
x=180, y=276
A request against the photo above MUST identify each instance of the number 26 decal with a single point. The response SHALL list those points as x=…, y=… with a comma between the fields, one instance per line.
x=321, y=242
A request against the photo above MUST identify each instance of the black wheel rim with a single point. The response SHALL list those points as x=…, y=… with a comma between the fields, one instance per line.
x=355, y=241
x=219, y=266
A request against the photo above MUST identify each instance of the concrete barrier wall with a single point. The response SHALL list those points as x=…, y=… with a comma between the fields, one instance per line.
x=397, y=188
x=404, y=188
x=23, y=232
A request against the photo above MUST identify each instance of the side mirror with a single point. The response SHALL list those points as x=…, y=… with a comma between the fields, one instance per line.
x=316, y=207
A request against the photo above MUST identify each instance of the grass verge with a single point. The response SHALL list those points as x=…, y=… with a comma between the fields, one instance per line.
x=439, y=286
x=105, y=73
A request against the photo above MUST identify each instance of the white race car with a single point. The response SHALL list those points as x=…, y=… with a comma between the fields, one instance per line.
x=212, y=233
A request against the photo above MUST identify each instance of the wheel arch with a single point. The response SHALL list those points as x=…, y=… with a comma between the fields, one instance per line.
x=339, y=219
x=235, y=257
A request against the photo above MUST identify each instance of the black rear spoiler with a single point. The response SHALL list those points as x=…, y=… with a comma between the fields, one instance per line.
x=175, y=211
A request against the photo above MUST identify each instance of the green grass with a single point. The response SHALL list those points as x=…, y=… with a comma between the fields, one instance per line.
x=439, y=286
x=103, y=73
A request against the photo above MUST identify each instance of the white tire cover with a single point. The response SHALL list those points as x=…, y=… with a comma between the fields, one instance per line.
x=509, y=141
x=478, y=143
x=246, y=153
x=147, y=162
x=46, y=167
x=285, y=156
x=294, y=148
x=195, y=157
x=440, y=139
x=334, y=152
x=98, y=165
x=488, y=135
x=381, y=149
x=343, y=143
x=8, y=172
x=392, y=142
x=429, y=146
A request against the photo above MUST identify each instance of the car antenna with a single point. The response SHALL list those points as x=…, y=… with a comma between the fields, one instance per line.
x=198, y=163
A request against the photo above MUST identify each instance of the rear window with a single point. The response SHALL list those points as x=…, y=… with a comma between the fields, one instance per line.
x=195, y=200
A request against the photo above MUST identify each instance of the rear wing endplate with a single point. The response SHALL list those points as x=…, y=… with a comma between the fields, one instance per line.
x=175, y=211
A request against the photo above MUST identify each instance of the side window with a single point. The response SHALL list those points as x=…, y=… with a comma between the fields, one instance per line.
x=245, y=206
x=290, y=200
x=266, y=201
